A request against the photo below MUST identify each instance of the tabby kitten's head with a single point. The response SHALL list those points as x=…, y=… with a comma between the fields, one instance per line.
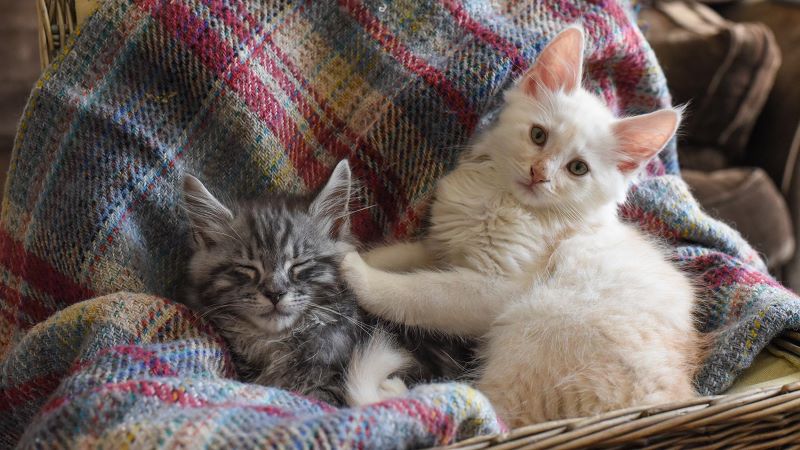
x=260, y=268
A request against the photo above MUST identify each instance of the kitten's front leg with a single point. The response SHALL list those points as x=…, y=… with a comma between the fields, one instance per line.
x=400, y=257
x=458, y=301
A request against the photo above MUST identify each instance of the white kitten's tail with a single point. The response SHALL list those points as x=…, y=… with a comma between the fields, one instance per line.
x=369, y=376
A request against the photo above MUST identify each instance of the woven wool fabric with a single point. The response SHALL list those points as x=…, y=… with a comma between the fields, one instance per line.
x=259, y=96
x=138, y=371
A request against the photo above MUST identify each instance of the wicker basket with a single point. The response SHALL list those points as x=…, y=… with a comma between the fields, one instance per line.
x=57, y=20
x=761, y=418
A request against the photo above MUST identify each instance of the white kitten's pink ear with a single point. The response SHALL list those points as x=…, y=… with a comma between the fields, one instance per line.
x=559, y=66
x=642, y=137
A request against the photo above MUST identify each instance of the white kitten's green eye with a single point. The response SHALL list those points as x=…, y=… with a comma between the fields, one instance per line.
x=538, y=135
x=248, y=272
x=578, y=167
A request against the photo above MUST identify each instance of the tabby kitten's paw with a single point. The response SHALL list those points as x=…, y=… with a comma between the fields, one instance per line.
x=391, y=388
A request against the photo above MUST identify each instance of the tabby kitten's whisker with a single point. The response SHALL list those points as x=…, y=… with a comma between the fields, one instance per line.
x=284, y=251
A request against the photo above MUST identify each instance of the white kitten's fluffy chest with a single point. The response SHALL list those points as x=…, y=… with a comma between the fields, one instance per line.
x=475, y=225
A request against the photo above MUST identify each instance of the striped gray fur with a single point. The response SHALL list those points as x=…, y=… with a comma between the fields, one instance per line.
x=266, y=274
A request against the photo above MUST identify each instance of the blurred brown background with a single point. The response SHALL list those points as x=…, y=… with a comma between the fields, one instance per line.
x=20, y=55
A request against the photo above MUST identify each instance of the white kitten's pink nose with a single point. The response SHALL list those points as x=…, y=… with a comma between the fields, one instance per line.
x=539, y=173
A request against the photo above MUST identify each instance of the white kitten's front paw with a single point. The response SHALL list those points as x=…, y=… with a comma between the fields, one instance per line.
x=364, y=281
x=355, y=272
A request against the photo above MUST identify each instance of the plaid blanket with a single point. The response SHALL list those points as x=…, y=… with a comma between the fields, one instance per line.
x=134, y=370
x=258, y=96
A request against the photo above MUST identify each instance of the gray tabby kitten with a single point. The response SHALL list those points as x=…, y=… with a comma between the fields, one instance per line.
x=267, y=275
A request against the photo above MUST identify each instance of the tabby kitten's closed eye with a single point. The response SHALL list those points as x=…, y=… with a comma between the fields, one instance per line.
x=266, y=273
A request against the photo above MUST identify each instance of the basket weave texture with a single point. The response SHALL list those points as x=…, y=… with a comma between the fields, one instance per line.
x=764, y=418
x=58, y=19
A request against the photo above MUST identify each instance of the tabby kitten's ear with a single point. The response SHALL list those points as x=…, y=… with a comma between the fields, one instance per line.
x=208, y=217
x=332, y=204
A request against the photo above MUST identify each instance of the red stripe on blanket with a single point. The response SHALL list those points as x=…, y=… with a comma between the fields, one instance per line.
x=413, y=63
x=156, y=9
x=156, y=365
x=484, y=33
x=38, y=273
x=222, y=11
x=11, y=309
x=439, y=424
x=377, y=181
x=35, y=309
x=617, y=78
x=171, y=395
x=649, y=222
x=328, y=137
x=218, y=56
x=43, y=386
x=162, y=391
x=37, y=388
x=717, y=270
x=372, y=178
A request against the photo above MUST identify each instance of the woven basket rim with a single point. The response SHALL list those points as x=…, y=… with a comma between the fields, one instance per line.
x=57, y=21
x=638, y=425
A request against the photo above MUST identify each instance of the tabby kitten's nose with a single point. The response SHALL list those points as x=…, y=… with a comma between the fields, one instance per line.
x=275, y=297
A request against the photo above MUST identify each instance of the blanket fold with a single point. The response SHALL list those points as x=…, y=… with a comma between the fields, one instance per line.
x=136, y=370
x=253, y=96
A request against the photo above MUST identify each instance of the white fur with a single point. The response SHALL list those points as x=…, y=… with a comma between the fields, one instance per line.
x=580, y=312
x=369, y=376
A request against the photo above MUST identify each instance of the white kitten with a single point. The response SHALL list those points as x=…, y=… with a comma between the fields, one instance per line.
x=580, y=312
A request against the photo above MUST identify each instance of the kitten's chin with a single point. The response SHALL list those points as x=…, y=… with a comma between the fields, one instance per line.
x=275, y=322
x=533, y=196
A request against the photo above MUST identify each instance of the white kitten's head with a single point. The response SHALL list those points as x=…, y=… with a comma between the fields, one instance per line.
x=558, y=146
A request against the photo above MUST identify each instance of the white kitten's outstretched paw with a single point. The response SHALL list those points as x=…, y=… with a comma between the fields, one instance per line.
x=356, y=273
x=363, y=279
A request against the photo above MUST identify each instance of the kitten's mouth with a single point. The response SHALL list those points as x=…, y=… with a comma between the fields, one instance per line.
x=274, y=313
x=274, y=321
x=533, y=185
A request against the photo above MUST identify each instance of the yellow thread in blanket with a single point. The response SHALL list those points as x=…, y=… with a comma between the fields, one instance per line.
x=754, y=330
